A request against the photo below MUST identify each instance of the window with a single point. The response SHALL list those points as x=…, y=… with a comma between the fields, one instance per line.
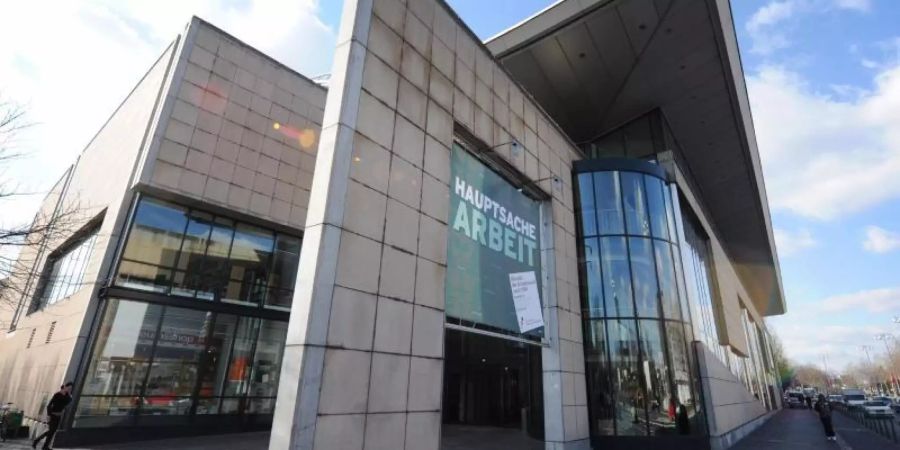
x=639, y=374
x=65, y=270
x=158, y=365
x=179, y=251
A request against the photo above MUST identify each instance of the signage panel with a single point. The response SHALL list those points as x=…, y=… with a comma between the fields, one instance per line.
x=493, y=250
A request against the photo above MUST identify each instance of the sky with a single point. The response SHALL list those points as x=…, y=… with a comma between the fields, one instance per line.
x=823, y=78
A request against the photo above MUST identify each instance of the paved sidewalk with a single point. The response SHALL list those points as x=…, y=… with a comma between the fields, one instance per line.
x=237, y=441
x=800, y=429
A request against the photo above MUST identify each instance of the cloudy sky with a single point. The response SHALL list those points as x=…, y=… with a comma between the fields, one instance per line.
x=823, y=78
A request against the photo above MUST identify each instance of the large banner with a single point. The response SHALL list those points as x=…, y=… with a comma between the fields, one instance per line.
x=493, y=254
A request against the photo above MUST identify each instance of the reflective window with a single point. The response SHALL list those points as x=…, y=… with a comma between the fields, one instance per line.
x=608, y=196
x=592, y=273
x=643, y=270
x=656, y=207
x=637, y=357
x=64, y=272
x=628, y=389
x=660, y=402
x=599, y=379
x=188, y=253
x=155, y=365
x=636, y=219
x=588, y=206
x=668, y=290
x=616, y=277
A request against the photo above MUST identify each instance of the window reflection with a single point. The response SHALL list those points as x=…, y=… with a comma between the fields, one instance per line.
x=616, y=277
x=637, y=358
x=189, y=253
x=153, y=363
x=668, y=290
x=643, y=269
x=656, y=207
x=635, y=205
x=592, y=273
x=630, y=399
x=599, y=379
x=587, y=205
x=661, y=405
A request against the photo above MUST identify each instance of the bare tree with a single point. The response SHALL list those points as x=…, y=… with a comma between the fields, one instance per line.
x=22, y=245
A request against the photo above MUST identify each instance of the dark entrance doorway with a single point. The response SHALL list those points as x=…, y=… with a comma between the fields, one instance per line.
x=494, y=383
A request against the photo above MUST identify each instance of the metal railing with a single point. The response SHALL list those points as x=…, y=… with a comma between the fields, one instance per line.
x=883, y=425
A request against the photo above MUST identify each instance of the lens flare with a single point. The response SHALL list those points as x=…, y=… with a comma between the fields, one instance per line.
x=276, y=126
x=307, y=138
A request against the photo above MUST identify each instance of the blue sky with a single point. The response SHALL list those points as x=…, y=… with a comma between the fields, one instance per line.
x=823, y=78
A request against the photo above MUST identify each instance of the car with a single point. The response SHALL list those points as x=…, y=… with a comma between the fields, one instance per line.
x=795, y=400
x=836, y=399
x=854, y=398
x=877, y=408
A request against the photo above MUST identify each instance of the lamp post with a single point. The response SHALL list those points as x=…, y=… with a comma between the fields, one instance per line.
x=885, y=337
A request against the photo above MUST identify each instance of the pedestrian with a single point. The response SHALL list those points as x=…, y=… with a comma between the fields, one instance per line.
x=55, y=410
x=824, y=410
x=809, y=401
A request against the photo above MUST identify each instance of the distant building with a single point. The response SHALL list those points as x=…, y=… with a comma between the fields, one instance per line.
x=564, y=230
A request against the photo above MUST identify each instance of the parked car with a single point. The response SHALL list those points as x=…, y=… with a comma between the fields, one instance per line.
x=835, y=399
x=877, y=408
x=795, y=400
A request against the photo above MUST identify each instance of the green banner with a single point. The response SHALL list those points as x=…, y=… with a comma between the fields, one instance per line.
x=494, y=232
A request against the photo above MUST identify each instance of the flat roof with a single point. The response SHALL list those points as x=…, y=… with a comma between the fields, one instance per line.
x=594, y=65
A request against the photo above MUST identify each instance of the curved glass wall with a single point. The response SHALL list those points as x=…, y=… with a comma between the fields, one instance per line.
x=637, y=331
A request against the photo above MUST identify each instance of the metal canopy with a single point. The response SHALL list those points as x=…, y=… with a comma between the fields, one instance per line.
x=596, y=64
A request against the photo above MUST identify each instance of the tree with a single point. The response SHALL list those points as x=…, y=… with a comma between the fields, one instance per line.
x=782, y=364
x=23, y=244
x=810, y=375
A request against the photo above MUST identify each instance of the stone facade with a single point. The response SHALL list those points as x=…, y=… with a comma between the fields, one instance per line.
x=365, y=345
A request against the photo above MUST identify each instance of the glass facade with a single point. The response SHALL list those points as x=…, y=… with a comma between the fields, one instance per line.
x=701, y=287
x=161, y=365
x=64, y=273
x=637, y=331
x=183, y=252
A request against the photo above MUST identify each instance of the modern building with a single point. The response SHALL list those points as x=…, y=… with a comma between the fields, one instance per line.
x=555, y=239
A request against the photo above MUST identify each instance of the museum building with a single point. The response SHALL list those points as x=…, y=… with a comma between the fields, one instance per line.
x=558, y=238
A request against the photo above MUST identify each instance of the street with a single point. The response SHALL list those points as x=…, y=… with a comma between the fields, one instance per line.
x=797, y=429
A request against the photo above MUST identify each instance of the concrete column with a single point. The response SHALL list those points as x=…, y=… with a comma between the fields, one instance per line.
x=364, y=357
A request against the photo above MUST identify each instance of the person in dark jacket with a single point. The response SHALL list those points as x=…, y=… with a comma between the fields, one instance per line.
x=55, y=410
x=824, y=410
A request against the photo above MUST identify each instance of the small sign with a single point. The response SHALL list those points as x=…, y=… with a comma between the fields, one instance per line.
x=527, y=300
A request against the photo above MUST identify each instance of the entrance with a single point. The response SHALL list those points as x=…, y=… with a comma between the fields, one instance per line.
x=493, y=392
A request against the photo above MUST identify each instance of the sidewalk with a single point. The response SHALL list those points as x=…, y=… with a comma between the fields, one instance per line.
x=237, y=441
x=800, y=429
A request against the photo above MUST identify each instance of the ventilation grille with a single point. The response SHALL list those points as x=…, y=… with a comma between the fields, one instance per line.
x=50, y=332
x=31, y=337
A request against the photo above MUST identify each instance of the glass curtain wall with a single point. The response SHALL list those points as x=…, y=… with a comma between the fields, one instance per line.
x=701, y=287
x=64, y=272
x=162, y=365
x=184, y=252
x=639, y=374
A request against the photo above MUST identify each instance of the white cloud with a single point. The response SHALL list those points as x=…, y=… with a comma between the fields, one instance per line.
x=766, y=39
x=790, y=243
x=858, y=5
x=879, y=240
x=825, y=156
x=811, y=342
x=879, y=301
x=72, y=63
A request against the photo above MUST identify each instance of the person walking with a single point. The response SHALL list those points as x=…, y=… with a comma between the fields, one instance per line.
x=55, y=410
x=824, y=410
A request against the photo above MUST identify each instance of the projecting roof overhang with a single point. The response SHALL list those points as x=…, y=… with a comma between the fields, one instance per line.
x=596, y=64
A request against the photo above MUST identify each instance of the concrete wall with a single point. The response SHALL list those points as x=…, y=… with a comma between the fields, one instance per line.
x=95, y=189
x=364, y=357
x=238, y=130
x=732, y=412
